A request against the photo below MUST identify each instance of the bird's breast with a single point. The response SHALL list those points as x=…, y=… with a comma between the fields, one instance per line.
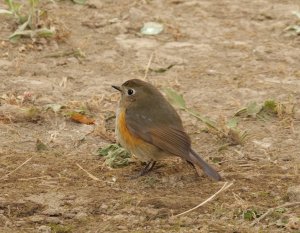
x=124, y=136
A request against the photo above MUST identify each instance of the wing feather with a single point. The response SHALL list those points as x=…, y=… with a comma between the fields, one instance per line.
x=164, y=136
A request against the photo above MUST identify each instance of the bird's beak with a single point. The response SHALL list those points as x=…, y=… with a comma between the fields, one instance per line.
x=117, y=88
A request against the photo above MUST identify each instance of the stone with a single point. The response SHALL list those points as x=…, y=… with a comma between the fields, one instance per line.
x=104, y=206
x=36, y=218
x=4, y=221
x=265, y=143
x=5, y=64
x=81, y=216
x=293, y=193
x=293, y=224
x=54, y=220
x=44, y=229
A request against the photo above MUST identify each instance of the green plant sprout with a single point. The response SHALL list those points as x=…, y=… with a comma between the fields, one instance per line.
x=29, y=21
x=229, y=130
x=295, y=28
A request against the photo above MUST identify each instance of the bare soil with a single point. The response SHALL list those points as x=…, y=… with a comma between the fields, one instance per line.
x=226, y=55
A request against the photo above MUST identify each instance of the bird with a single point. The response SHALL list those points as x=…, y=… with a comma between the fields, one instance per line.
x=149, y=127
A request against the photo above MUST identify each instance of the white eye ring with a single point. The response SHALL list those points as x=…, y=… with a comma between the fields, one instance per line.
x=130, y=91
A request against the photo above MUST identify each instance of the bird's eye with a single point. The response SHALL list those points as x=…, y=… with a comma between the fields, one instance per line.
x=130, y=91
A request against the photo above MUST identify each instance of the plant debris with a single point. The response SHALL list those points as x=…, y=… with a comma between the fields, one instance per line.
x=269, y=108
x=115, y=156
x=228, y=130
x=152, y=28
x=162, y=70
x=80, y=118
x=33, y=22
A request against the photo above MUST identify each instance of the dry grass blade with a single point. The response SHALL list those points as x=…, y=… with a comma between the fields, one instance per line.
x=71, y=52
x=35, y=178
x=206, y=121
x=8, y=174
x=148, y=66
x=271, y=210
x=225, y=186
x=89, y=174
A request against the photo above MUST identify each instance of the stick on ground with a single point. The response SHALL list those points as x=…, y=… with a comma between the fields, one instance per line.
x=89, y=174
x=225, y=186
x=8, y=174
x=271, y=210
x=148, y=66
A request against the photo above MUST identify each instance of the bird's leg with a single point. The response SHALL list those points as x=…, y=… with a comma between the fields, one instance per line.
x=190, y=163
x=194, y=166
x=149, y=166
x=152, y=165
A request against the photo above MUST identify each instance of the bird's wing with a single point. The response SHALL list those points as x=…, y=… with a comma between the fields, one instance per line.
x=168, y=138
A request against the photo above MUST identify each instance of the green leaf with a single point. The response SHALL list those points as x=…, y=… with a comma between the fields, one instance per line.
x=115, y=156
x=162, y=70
x=34, y=3
x=3, y=11
x=40, y=145
x=232, y=123
x=295, y=28
x=21, y=30
x=17, y=34
x=249, y=215
x=10, y=4
x=253, y=109
x=44, y=32
x=14, y=7
x=81, y=2
x=297, y=13
x=175, y=98
x=270, y=106
x=14, y=39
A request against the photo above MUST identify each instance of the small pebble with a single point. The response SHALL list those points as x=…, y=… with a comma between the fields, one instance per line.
x=293, y=193
x=104, y=206
x=36, y=218
x=44, y=229
x=54, y=220
x=81, y=216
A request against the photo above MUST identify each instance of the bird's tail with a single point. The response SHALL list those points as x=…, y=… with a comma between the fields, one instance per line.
x=197, y=160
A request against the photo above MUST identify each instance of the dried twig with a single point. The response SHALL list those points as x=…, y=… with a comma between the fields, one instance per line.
x=271, y=210
x=89, y=174
x=225, y=186
x=74, y=52
x=34, y=178
x=8, y=174
x=148, y=66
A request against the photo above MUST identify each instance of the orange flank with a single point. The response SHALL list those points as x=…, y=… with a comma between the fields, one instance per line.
x=129, y=139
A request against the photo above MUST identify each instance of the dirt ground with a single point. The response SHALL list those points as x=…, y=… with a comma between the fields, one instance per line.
x=226, y=55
